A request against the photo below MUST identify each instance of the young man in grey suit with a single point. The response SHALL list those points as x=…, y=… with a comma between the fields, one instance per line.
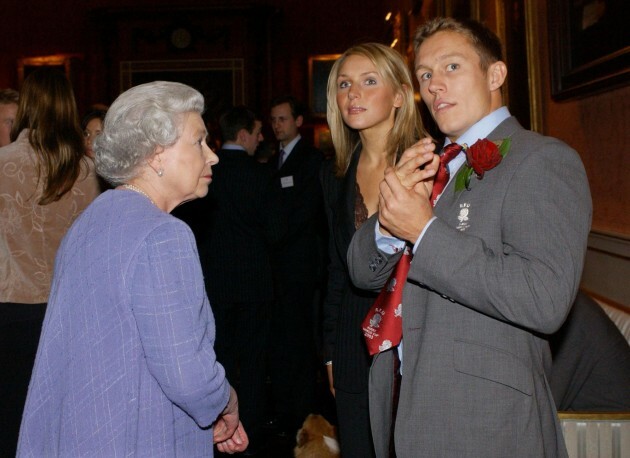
x=497, y=262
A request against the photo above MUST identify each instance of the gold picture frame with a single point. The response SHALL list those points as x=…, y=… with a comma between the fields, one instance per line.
x=195, y=72
x=64, y=62
x=319, y=67
x=589, y=45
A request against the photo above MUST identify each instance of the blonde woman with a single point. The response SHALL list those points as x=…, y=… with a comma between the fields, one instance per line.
x=373, y=118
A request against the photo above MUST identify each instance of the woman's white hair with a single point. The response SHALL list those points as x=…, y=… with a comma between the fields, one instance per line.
x=141, y=120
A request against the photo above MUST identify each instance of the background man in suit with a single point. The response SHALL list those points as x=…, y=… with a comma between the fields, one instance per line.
x=243, y=219
x=591, y=361
x=298, y=262
x=496, y=264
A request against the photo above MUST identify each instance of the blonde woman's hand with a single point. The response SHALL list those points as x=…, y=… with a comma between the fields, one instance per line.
x=329, y=371
x=416, y=165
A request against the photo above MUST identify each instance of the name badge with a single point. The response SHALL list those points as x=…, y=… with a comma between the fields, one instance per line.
x=286, y=182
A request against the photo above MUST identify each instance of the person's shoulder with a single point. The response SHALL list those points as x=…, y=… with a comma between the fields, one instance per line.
x=328, y=172
x=87, y=182
x=231, y=153
x=169, y=225
x=264, y=169
x=309, y=149
x=527, y=145
x=590, y=313
x=589, y=326
x=241, y=166
x=18, y=151
x=130, y=220
x=226, y=157
x=153, y=226
x=18, y=164
x=133, y=209
x=253, y=177
x=315, y=157
x=542, y=142
x=525, y=140
x=328, y=167
x=330, y=181
x=6, y=152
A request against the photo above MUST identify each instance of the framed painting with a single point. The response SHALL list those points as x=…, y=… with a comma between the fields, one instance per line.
x=72, y=65
x=220, y=81
x=589, y=46
x=66, y=63
x=318, y=70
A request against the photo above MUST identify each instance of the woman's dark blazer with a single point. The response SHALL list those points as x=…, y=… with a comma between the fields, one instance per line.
x=345, y=306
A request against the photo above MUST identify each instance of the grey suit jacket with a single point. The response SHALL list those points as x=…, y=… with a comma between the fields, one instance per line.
x=499, y=267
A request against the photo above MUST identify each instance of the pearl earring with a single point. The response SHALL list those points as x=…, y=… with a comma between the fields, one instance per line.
x=160, y=172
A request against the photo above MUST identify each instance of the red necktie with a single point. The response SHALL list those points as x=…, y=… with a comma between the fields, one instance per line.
x=382, y=326
x=441, y=178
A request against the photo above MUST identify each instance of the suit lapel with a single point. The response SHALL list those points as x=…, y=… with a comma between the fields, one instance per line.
x=294, y=159
x=345, y=204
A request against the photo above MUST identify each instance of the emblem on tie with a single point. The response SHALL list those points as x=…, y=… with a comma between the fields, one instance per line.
x=382, y=326
x=375, y=321
x=386, y=345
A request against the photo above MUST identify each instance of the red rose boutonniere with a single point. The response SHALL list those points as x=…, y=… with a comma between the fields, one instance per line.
x=482, y=156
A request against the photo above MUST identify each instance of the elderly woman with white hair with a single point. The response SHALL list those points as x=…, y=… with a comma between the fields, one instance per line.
x=126, y=364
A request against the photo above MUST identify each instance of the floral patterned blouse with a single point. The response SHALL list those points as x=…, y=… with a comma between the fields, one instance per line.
x=31, y=233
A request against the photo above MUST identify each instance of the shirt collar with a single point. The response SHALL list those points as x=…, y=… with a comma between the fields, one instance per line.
x=233, y=146
x=481, y=129
x=289, y=146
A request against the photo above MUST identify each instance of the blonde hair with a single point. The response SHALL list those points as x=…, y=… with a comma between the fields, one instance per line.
x=486, y=43
x=407, y=129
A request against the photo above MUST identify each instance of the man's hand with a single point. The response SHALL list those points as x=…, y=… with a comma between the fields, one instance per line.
x=404, y=207
x=228, y=433
x=403, y=212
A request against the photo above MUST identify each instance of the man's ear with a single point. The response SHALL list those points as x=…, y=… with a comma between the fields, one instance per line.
x=241, y=136
x=497, y=72
x=299, y=120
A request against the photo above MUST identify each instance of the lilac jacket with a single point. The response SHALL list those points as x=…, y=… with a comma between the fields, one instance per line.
x=125, y=365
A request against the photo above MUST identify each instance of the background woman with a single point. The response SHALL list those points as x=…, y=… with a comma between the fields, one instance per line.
x=44, y=186
x=373, y=118
x=92, y=126
x=126, y=364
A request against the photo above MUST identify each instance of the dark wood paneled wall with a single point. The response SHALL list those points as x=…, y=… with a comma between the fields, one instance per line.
x=276, y=37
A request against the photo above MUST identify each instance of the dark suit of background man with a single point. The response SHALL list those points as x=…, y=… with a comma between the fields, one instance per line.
x=497, y=265
x=298, y=266
x=243, y=220
x=591, y=361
